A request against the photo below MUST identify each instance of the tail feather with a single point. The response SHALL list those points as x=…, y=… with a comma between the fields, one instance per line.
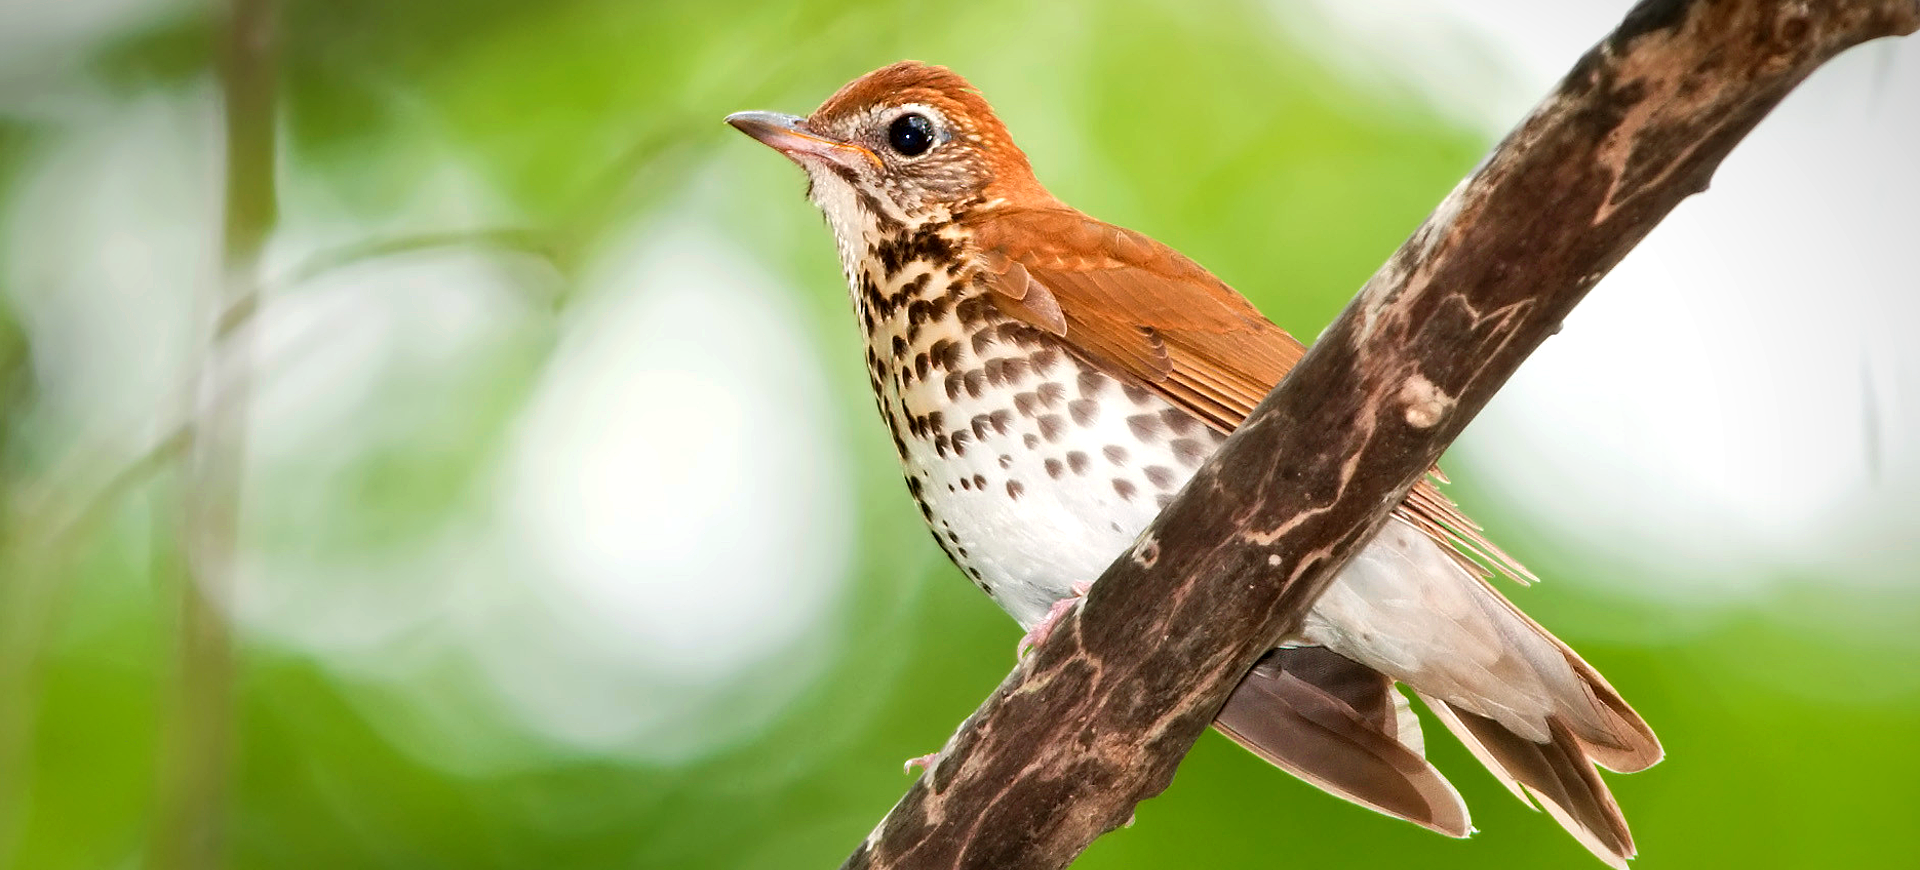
x=1628, y=744
x=1342, y=727
x=1558, y=774
x=1407, y=611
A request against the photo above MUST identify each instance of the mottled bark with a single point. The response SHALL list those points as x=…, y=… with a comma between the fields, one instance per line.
x=1099, y=717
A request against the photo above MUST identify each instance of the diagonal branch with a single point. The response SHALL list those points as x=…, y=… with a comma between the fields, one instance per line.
x=1099, y=718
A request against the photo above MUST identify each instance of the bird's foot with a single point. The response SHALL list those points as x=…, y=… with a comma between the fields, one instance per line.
x=924, y=762
x=1044, y=628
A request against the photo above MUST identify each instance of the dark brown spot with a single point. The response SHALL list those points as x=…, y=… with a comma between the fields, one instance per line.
x=1055, y=468
x=1115, y=454
x=966, y=483
x=945, y=353
x=1091, y=383
x=982, y=340
x=979, y=424
x=1021, y=335
x=1159, y=475
x=1028, y=404
x=959, y=439
x=980, y=482
x=1163, y=499
x=1001, y=419
x=1031, y=440
x=897, y=251
x=1138, y=395
x=992, y=370
x=940, y=445
x=899, y=348
x=1014, y=489
x=954, y=382
x=1079, y=461
x=1084, y=411
x=1006, y=461
x=973, y=309
x=870, y=295
x=1145, y=427
x=943, y=544
x=1178, y=422
x=1051, y=394
x=1124, y=488
x=1052, y=427
x=1190, y=452
x=922, y=364
x=1045, y=359
x=976, y=383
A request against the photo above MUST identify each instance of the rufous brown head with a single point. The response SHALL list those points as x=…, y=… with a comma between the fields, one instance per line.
x=912, y=140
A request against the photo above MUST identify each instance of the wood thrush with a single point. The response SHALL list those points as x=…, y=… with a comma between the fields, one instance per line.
x=1051, y=381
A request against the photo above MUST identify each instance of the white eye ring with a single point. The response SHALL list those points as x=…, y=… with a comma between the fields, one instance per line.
x=914, y=138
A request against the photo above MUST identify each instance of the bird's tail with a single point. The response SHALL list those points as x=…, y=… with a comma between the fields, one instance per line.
x=1530, y=709
x=1341, y=726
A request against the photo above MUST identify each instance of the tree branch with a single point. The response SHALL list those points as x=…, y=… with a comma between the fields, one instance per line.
x=1098, y=719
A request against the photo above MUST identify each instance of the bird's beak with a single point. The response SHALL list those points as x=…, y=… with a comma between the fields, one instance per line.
x=789, y=135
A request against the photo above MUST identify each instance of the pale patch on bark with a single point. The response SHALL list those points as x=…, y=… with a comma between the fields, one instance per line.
x=1426, y=404
x=1146, y=551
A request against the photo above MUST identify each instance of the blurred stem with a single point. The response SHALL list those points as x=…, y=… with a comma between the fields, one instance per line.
x=196, y=747
x=512, y=239
x=25, y=609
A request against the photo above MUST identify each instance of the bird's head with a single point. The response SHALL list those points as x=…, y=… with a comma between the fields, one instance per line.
x=905, y=144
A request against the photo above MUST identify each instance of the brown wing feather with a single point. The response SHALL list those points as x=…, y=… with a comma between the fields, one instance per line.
x=1336, y=724
x=1135, y=307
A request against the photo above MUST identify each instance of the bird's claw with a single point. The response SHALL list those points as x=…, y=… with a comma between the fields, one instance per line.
x=1044, y=628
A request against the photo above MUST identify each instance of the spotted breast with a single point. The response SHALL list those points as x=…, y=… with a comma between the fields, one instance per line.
x=1051, y=381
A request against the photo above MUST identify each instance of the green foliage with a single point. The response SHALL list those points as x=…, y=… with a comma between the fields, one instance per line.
x=1206, y=125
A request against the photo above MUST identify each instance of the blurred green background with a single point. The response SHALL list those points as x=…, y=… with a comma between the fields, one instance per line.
x=566, y=537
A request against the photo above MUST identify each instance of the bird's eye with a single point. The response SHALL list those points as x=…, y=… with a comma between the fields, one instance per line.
x=911, y=134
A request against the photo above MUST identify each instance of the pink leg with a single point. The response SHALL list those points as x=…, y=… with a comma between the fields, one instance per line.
x=924, y=762
x=1040, y=632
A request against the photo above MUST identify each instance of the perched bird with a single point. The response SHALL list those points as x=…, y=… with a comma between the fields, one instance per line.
x=1051, y=381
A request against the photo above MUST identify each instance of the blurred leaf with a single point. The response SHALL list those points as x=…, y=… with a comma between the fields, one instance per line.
x=174, y=51
x=1206, y=125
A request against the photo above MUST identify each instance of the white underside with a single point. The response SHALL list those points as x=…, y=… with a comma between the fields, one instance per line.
x=1404, y=606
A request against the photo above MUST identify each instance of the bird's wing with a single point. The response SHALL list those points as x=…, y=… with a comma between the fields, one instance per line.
x=1138, y=309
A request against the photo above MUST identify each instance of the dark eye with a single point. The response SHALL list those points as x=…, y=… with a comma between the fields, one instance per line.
x=911, y=135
